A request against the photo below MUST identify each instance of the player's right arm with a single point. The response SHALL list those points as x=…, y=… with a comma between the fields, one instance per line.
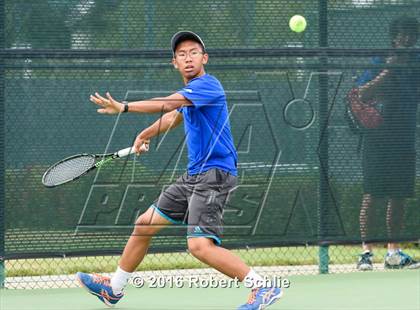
x=167, y=122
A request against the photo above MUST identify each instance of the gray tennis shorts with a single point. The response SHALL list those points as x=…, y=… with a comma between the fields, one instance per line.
x=198, y=201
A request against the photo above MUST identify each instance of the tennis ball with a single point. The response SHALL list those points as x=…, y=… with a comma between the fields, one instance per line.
x=297, y=23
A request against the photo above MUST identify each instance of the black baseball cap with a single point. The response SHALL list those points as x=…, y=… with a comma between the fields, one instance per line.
x=183, y=36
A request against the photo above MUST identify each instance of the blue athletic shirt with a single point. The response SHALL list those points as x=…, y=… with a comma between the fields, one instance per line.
x=207, y=129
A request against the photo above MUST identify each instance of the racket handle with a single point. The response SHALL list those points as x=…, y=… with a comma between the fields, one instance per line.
x=130, y=150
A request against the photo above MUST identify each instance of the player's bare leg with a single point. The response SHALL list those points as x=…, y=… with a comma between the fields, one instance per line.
x=366, y=219
x=262, y=295
x=110, y=291
x=147, y=225
x=217, y=257
x=395, y=258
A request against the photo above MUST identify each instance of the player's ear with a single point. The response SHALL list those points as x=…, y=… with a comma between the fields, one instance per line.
x=174, y=63
x=205, y=58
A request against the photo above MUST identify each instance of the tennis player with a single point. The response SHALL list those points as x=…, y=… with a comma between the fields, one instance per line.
x=198, y=197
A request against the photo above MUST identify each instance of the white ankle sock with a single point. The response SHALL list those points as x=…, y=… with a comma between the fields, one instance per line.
x=119, y=280
x=254, y=280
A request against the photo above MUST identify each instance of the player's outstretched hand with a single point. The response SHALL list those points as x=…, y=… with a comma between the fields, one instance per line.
x=108, y=105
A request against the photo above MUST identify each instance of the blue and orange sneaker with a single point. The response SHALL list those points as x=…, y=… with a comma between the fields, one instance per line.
x=99, y=286
x=261, y=298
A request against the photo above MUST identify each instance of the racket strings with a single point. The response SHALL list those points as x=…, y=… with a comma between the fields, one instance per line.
x=68, y=170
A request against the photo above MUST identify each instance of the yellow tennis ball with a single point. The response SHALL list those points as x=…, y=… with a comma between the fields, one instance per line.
x=297, y=23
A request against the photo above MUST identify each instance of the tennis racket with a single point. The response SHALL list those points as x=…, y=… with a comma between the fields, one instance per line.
x=73, y=167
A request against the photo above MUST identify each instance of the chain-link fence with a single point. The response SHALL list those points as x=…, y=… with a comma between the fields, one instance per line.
x=302, y=174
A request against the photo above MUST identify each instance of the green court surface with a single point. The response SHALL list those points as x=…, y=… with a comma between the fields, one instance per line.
x=355, y=291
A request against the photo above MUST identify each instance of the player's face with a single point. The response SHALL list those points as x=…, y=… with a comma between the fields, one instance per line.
x=190, y=59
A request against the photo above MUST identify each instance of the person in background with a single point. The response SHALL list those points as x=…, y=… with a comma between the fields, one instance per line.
x=389, y=153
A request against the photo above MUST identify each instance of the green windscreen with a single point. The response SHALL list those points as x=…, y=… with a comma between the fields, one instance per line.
x=302, y=171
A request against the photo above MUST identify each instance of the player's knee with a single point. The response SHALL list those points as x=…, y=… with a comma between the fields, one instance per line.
x=143, y=226
x=198, y=247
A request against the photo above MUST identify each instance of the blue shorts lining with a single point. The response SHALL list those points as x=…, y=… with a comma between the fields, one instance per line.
x=165, y=216
x=215, y=238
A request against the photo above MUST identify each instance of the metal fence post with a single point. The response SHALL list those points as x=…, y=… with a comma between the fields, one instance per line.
x=323, y=136
x=2, y=145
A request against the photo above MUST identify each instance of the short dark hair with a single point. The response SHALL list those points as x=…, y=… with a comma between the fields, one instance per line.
x=404, y=25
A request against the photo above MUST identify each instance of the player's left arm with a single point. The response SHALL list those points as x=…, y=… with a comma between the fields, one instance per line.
x=155, y=105
x=373, y=87
x=167, y=122
x=382, y=80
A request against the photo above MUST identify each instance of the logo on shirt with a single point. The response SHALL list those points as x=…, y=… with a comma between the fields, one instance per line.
x=188, y=90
